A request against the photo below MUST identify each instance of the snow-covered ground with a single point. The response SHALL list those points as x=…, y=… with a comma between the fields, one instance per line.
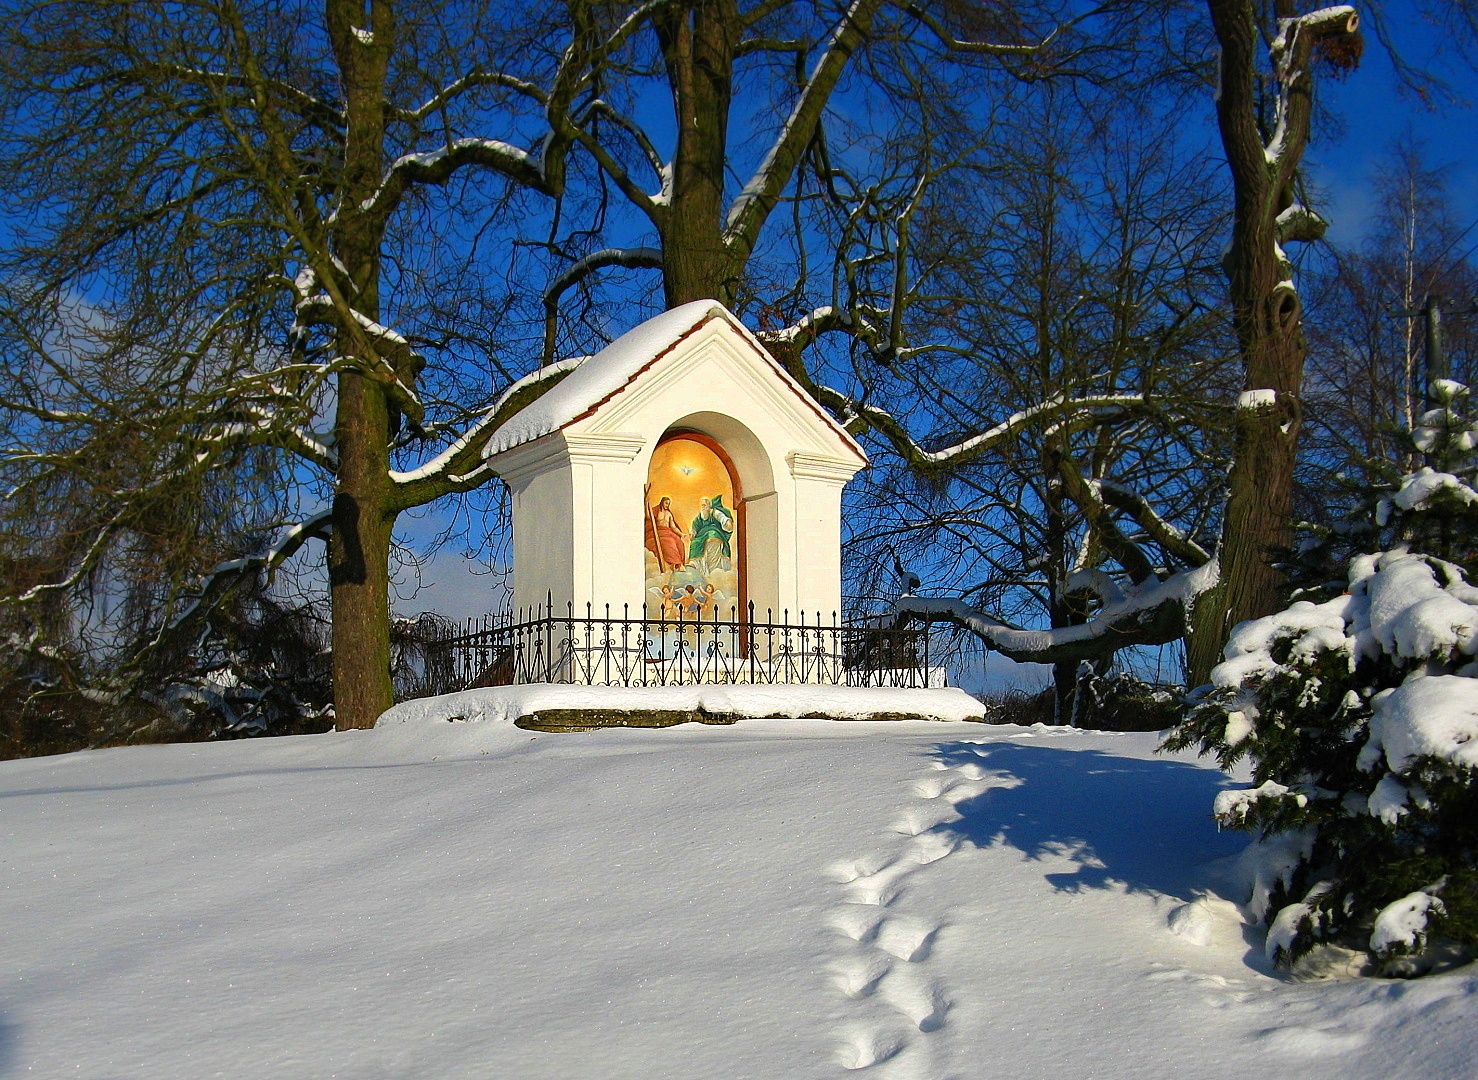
x=777, y=899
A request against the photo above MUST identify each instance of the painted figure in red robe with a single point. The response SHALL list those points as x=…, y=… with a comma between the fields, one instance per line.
x=665, y=538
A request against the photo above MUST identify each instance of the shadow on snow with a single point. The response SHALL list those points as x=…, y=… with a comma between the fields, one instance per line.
x=1141, y=825
x=9, y=1036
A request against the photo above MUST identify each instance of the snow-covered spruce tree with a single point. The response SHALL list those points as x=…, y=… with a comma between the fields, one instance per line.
x=1359, y=716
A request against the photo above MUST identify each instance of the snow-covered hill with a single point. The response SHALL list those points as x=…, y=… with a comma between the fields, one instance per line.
x=778, y=899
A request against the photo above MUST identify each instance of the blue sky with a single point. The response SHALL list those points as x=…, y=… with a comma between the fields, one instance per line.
x=1374, y=113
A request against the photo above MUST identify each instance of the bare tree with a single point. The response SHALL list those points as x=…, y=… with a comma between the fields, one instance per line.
x=1264, y=139
x=266, y=204
x=1366, y=370
x=108, y=514
x=1264, y=80
x=1040, y=382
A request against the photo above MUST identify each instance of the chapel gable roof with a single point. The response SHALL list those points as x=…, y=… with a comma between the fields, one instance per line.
x=601, y=377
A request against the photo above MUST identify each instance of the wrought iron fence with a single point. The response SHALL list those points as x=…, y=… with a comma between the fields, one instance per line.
x=625, y=649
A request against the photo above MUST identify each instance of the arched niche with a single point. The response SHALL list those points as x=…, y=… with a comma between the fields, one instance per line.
x=756, y=511
x=694, y=535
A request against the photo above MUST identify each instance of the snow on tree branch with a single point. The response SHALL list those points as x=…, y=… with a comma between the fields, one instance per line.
x=437, y=166
x=807, y=328
x=1300, y=224
x=85, y=566
x=224, y=575
x=1151, y=616
x=640, y=258
x=954, y=44
x=760, y=195
x=579, y=69
x=267, y=429
x=460, y=466
x=391, y=360
x=770, y=44
x=1165, y=534
x=992, y=437
x=1088, y=497
x=600, y=107
x=1291, y=51
x=473, y=79
x=328, y=118
x=858, y=417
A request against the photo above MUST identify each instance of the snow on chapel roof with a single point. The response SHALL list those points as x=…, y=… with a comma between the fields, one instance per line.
x=600, y=376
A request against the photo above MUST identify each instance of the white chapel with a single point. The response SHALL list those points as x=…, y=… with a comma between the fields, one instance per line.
x=679, y=470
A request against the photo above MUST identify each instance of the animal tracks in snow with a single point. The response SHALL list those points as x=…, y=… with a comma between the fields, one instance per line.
x=889, y=939
x=922, y=1001
x=861, y=924
x=859, y=976
x=931, y=847
x=920, y=819
x=907, y=939
x=863, y=1047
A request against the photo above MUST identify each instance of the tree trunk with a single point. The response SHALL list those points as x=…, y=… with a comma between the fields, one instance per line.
x=1060, y=611
x=359, y=557
x=698, y=49
x=1259, y=512
x=359, y=550
x=1266, y=311
x=1064, y=692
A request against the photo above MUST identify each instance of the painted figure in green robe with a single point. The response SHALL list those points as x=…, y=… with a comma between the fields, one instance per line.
x=714, y=522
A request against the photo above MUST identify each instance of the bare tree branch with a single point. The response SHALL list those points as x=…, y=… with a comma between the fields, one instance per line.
x=642, y=258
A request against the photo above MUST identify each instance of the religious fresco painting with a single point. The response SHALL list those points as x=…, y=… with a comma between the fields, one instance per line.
x=694, y=541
